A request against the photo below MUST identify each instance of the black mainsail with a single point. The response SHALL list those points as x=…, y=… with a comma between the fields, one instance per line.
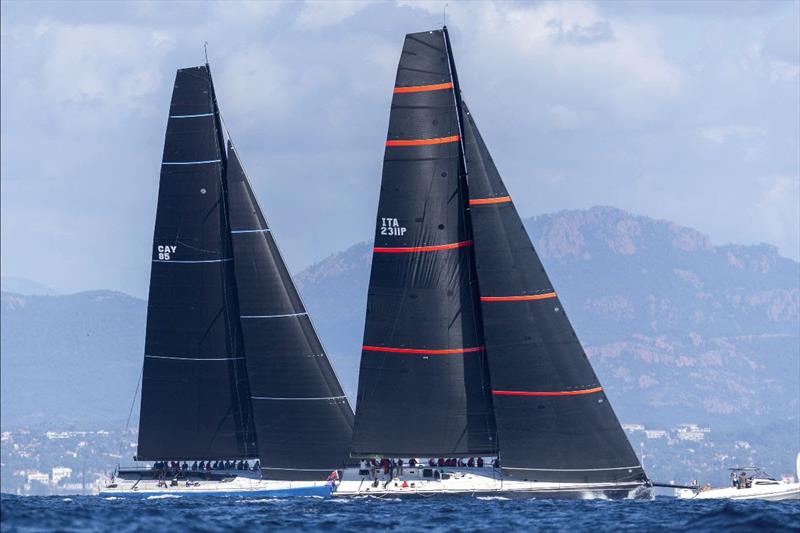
x=233, y=367
x=423, y=384
x=195, y=397
x=554, y=422
x=303, y=419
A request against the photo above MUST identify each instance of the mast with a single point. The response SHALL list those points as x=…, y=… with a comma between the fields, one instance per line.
x=303, y=419
x=473, y=274
x=554, y=421
x=423, y=388
x=195, y=395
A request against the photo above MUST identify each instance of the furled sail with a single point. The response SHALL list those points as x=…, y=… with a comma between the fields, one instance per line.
x=302, y=417
x=195, y=397
x=423, y=384
x=554, y=422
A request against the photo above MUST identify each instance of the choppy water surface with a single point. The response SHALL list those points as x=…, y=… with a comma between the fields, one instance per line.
x=87, y=513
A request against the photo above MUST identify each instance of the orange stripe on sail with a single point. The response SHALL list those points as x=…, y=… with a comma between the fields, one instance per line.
x=423, y=88
x=546, y=393
x=411, y=249
x=522, y=298
x=484, y=201
x=424, y=142
x=421, y=351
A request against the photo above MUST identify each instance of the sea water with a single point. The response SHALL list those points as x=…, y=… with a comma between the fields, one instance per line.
x=435, y=514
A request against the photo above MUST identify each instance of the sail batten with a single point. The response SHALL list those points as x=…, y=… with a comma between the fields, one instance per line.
x=303, y=419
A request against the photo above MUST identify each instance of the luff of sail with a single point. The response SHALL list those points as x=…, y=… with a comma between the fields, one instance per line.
x=423, y=387
x=303, y=419
x=195, y=397
x=554, y=421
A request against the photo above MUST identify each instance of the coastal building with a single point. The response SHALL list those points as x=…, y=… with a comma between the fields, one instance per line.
x=38, y=477
x=692, y=432
x=59, y=473
x=632, y=428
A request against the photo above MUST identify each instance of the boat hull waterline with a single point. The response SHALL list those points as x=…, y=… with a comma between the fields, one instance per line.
x=428, y=482
x=772, y=492
x=241, y=486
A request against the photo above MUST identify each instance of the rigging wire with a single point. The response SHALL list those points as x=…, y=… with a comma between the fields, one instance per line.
x=130, y=411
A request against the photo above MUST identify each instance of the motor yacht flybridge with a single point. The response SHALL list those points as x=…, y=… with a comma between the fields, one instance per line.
x=748, y=483
x=467, y=349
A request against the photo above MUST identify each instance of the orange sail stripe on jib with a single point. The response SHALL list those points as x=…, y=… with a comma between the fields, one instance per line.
x=412, y=249
x=423, y=88
x=521, y=298
x=421, y=351
x=546, y=393
x=485, y=201
x=424, y=142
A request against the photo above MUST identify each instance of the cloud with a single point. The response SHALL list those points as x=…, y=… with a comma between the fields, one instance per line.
x=243, y=13
x=255, y=86
x=316, y=14
x=722, y=134
x=96, y=73
x=567, y=118
x=618, y=64
x=664, y=113
x=782, y=42
x=777, y=211
x=599, y=31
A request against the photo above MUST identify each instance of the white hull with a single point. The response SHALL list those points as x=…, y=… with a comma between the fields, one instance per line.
x=772, y=492
x=236, y=483
x=426, y=481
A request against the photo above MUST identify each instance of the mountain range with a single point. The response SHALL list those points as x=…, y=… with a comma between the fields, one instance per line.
x=678, y=329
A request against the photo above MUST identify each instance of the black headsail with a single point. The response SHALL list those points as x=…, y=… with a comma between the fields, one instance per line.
x=195, y=397
x=302, y=417
x=554, y=422
x=423, y=384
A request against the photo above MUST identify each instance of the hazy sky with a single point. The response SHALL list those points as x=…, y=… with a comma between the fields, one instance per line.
x=684, y=111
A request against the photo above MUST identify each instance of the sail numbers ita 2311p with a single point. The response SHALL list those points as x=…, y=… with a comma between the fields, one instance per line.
x=390, y=226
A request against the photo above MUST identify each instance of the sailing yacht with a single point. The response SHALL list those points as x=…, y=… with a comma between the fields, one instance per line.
x=467, y=350
x=234, y=373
